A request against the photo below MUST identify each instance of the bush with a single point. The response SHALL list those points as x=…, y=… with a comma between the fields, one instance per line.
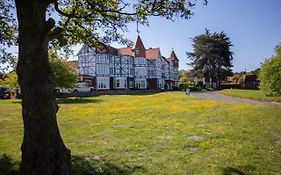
x=200, y=84
x=270, y=76
x=182, y=86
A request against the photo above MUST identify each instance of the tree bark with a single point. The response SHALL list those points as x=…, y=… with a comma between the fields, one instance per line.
x=43, y=150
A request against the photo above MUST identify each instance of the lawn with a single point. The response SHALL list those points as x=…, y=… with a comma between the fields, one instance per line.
x=165, y=133
x=252, y=94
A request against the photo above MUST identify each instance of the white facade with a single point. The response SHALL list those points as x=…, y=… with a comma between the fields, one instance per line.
x=118, y=70
x=141, y=68
x=151, y=68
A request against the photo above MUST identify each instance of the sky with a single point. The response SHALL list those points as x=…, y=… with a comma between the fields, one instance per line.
x=254, y=28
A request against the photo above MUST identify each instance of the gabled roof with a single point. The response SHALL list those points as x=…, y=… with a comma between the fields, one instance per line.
x=104, y=48
x=108, y=49
x=166, y=59
x=174, y=59
x=152, y=53
x=126, y=51
x=138, y=50
x=173, y=56
x=138, y=44
x=82, y=48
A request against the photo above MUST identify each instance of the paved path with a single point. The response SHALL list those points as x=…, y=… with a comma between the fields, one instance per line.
x=215, y=95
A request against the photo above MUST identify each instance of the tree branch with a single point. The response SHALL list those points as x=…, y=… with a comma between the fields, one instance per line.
x=69, y=15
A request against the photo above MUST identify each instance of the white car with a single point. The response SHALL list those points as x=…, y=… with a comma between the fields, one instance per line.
x=59, y=90
x=82, y=87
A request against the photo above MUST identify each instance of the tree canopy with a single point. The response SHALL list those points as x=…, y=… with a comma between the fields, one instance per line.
x=10, y=81
x=58, y=24
x=270, y=74
x=93, y=21
x=211, y=55
x=65, y=75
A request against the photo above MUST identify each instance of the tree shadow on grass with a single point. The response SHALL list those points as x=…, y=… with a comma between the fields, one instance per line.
x=82, y=166
x=240, y=170
x=76, y=100
x=80, y=100
x=90, y=166
x=8, y=166
x=146, y=92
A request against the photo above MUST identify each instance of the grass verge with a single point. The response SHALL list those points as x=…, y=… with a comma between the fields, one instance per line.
x=251, y=94
x=165, y=133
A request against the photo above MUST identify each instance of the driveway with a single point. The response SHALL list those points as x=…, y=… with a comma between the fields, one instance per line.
x=215, y=95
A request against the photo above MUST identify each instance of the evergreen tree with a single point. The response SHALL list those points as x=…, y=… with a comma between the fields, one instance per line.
x=211, y=56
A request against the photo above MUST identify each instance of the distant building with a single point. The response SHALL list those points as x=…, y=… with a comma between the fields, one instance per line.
x=73, y=64
x=127, y=68
x=251, y=81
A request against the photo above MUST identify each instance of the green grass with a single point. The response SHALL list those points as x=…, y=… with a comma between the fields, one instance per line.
x=165, y=133
x=251, y=94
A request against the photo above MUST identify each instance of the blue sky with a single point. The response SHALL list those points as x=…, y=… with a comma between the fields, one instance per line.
x=254, y=27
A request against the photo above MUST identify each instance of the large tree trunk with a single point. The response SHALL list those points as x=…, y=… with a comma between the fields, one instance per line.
x=43, y=150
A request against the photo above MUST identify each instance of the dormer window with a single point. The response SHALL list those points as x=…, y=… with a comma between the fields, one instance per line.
x=137, y=52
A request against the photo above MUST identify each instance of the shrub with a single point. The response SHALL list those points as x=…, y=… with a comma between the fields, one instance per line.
x=182, y=86
x=270, y=76
x=200, y=84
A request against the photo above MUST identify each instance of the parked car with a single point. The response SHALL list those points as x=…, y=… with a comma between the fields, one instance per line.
x=61, y=92
x=4, y=93
x=82, y=87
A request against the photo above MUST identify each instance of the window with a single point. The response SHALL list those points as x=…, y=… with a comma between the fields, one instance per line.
x=130, y=71
x=117, y=71
x=103, y=82
x=120, y=83
x=86, y=70
x=89, y=82
x=117, y=83
x=131, y=84
x=102, y=69
x=140, y=60
x=102, y=58
x=141, y=84
x=137, y=52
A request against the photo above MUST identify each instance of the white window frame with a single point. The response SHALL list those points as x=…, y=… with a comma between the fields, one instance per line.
x=140, y=83
x=120, y=83
x=103, y=83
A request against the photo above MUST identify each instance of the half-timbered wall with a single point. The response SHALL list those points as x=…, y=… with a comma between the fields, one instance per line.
x=151, y=69
x=125, y=71
x=140, y=67
x=86, y=61
x=122, y=66
x=166, y=70
x=158, y=67
x=102, y=65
